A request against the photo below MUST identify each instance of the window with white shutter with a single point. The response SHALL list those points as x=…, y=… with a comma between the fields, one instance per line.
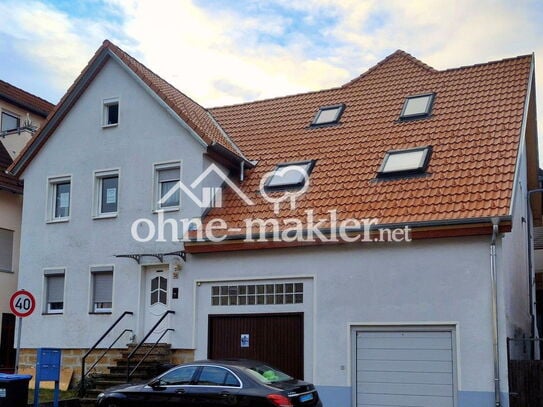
x=54, y=291
x=102, y=289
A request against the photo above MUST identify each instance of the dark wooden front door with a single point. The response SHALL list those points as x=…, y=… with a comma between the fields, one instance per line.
x=277, y=339
x=7, y=351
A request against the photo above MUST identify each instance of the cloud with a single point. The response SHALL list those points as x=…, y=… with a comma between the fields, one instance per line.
x=228, y=52
x=44, y=37
x=196, y=49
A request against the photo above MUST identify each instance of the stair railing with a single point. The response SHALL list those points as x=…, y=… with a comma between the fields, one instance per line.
x=149, y=351
x=131, y=355
x=82, y=388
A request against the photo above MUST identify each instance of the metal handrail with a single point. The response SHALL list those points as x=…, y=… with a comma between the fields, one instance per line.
x=83, y=373
x=108, y=349
x=149, y=351
x=128, y=373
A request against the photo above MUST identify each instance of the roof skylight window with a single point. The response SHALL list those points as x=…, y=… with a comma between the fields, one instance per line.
x=328, y=115
x=409, y=161
x=416, y=107
x=290, y=175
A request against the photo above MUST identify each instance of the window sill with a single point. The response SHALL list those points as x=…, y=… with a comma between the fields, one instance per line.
x=168, y=209
x=109, y=126
x=7, y=271
x=100, y=313
x=53, y=313
x=105, y=216
x=59, y=220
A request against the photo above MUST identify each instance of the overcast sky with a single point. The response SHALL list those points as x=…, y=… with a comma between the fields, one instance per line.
x=228, y=51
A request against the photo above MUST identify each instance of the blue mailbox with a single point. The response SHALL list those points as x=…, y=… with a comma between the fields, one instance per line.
x=47, y=370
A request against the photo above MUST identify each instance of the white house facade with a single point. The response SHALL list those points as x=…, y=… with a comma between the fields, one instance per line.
x=409, y=322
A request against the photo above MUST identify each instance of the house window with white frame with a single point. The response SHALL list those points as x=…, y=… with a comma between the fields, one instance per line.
x=54, y=291
x=110, y=112
x=167, y=177
x=6, y=250
x=106, y=193
x=60, y=191
x=9, y=122
x=102, y=289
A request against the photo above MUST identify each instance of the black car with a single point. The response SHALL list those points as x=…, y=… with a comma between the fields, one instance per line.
x=213, y=383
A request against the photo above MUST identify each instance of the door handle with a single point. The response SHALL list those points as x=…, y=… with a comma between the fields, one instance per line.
x=180, y=391
x=225, y=394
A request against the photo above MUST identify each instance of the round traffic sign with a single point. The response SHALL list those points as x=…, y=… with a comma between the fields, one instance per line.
x=22, y=303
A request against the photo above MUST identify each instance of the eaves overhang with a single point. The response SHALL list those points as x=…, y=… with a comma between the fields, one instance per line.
x=418, y=231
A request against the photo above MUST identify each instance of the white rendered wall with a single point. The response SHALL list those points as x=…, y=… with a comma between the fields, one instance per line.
x=146, y=134
x=430, y=281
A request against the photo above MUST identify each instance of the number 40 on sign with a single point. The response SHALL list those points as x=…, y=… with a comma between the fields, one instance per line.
x=22, y=303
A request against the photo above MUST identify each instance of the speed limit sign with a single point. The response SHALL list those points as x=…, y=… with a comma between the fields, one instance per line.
x=22, y=303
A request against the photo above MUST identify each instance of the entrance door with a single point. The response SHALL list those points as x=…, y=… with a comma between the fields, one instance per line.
x=7, y=351
x=277, y=339
x=156, y=301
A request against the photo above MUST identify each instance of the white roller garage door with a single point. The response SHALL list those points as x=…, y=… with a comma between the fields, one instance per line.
x=404, y=369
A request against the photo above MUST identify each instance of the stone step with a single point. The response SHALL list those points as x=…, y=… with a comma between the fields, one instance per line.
x=152, y=357
x=147, y=346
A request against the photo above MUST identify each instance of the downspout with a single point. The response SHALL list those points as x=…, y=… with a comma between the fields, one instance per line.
x=494, y=288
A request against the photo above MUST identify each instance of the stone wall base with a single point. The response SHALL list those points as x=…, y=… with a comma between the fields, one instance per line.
x=71, y=358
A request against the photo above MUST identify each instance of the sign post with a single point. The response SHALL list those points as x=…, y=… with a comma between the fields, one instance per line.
x=22, y=304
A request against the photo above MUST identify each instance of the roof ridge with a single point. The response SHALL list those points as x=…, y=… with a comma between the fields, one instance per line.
x=492, y=62
x=398, y=52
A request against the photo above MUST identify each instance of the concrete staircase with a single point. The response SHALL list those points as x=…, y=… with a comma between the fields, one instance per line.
x=159, y=360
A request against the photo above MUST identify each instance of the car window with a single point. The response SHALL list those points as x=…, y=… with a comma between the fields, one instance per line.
x=179, y=376
x=217, y=376
x=268, y=374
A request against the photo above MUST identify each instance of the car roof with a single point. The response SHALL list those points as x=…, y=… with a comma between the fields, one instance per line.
x=228, y=362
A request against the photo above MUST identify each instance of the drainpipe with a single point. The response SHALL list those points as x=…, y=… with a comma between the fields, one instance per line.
x=493, y=279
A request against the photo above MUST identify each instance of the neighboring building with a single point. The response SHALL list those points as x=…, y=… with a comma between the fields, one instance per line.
x=21, y=113
x=449, y=154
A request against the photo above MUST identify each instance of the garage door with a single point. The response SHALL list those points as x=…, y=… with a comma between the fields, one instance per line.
x=277, y=339
x=404, y=368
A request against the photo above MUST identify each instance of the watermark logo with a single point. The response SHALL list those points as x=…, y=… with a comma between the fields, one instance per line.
x=288, y=195
x=211, y=196
x=308, y=227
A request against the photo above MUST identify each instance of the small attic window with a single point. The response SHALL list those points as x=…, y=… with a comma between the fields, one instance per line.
x=290, y=175
x=416, y=107
x=405, y=162
x=328, y=115
x=110, y=112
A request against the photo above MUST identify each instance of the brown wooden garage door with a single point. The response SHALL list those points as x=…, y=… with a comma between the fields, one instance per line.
x=276, y=339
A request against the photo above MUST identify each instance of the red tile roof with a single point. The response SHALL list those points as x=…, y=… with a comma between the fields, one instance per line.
x=474, y=129
x=24, y=99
